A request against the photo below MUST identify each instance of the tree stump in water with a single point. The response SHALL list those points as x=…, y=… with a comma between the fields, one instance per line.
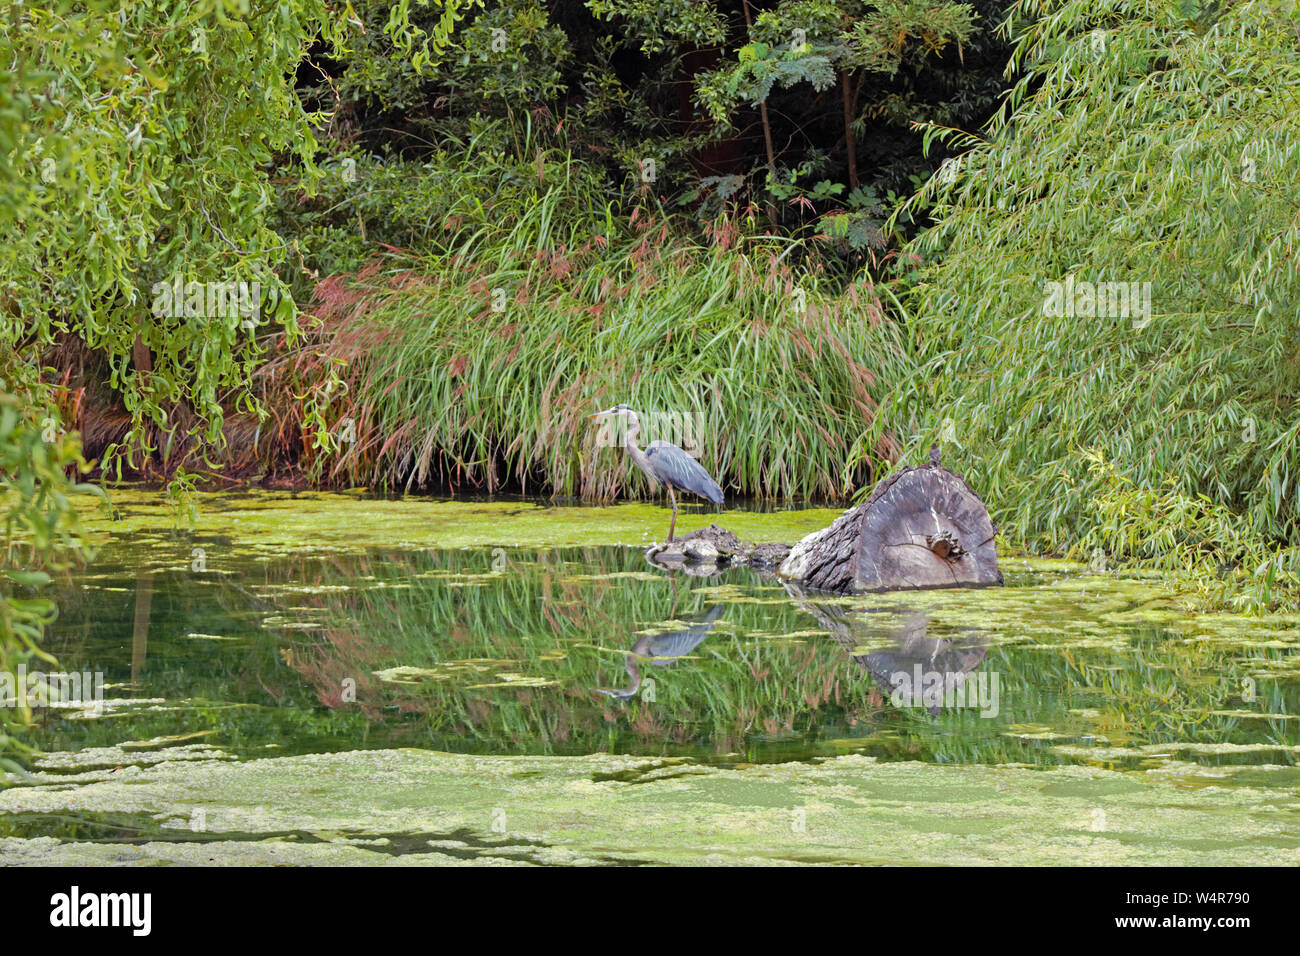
x=922, y=527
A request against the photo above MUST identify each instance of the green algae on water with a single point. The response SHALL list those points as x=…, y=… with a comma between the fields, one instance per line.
x=414, y=806
x=274, y=522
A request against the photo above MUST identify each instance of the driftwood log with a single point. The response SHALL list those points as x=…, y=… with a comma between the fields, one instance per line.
x=922, y=527
x=710, y=549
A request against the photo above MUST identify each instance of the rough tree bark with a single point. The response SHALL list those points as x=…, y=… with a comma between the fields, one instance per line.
x=921, y=528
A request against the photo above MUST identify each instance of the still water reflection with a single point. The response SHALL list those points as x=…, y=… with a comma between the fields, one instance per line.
x=585, y=650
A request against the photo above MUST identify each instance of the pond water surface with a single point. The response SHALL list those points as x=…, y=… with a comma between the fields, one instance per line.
x=231, y=646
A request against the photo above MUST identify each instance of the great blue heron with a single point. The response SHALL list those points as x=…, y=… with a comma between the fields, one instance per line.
x=661, y=650
x=662, y=461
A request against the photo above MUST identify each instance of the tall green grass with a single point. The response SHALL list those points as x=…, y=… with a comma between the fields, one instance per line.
x=596, y=303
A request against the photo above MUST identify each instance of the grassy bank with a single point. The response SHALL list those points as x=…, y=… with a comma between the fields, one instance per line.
x=534, y=303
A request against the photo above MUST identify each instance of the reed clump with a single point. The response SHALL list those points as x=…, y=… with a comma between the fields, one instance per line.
x=475, y=361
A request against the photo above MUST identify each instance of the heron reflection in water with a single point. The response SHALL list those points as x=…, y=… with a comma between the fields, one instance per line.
x=661, y=650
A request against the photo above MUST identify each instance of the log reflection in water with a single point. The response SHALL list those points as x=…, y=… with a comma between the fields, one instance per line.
x=918, y=670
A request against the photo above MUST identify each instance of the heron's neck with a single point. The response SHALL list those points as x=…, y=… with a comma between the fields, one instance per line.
x=639, y=650
x=629, y=443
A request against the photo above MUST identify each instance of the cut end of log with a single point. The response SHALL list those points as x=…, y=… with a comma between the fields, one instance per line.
x=921, y=528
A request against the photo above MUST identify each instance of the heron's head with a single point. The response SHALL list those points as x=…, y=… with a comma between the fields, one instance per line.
x=616, y=410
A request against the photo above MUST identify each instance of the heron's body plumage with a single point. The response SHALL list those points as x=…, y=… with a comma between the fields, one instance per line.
x=661, y=650
x=662, y=461
x=673, y=466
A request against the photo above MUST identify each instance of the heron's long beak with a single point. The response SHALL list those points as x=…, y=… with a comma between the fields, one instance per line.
x=608, y=411
x=616, y=694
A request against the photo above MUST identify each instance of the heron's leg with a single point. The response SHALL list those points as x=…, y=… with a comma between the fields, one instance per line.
x=672, y=525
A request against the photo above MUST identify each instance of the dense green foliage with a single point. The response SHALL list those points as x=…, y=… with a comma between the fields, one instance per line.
x=36, y=456
x=140, y=141
x=802, y=108
x=136, y=141
x=416, y=243
x=40, y=526
x=1147, y=143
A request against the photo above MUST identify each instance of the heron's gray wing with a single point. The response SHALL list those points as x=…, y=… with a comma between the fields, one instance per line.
x=672, y=465
x=680, y=643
